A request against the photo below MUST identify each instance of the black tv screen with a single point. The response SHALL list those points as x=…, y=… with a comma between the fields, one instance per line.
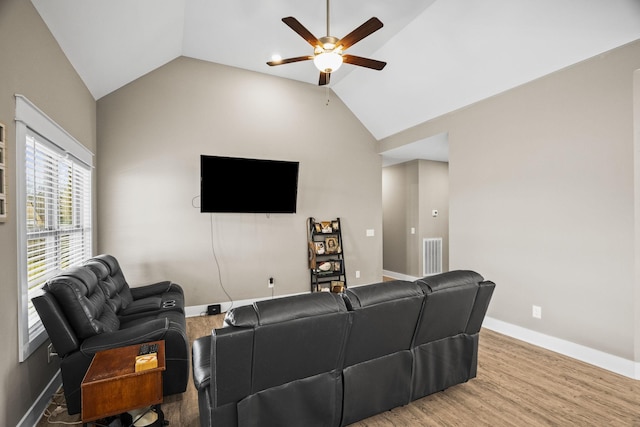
x=240, y=185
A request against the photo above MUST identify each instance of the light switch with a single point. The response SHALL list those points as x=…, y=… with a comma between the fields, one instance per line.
x=371, y=232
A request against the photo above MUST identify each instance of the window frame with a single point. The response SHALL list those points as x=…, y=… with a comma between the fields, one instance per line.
x=30, y=119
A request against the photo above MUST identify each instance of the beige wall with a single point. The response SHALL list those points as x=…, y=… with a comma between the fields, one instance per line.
x=33, y=65
x=152, y=133
x=542, y=200
x=400, y=213
x=410, y=192
x=434, y=194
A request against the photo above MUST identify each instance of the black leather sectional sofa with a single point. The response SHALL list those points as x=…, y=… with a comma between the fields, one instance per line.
x=91, y=308
x=325, y=359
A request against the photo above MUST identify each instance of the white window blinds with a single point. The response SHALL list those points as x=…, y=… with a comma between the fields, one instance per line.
x=53, y=210
x=58, y=208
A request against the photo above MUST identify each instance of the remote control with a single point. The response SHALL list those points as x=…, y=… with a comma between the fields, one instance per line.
x=144, y=349
x=153, y=348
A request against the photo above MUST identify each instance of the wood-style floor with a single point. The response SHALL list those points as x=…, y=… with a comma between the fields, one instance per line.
x=517, y=384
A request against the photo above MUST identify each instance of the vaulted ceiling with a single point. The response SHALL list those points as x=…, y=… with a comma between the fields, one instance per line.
x=441, y=55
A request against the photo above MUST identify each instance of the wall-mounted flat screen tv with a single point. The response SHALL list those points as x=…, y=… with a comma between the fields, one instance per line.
x=240, y=185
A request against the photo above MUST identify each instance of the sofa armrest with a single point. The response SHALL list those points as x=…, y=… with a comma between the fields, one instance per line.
x=155, y=289
x=62, y=335
x=151, y=330
x=201, y=357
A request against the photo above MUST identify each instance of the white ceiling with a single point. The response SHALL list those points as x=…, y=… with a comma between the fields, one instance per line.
x=441, y=55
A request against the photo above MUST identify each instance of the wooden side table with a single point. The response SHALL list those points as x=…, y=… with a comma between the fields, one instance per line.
x=112, y=387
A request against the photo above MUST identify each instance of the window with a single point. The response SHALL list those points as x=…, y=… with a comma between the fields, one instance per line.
x=53, y=210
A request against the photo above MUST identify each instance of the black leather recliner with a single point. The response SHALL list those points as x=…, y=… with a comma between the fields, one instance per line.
x=445, y=348
x=280, y=361
x=378, y=362
x=81, y=320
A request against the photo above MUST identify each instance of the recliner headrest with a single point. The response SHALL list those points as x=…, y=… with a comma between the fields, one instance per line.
x=110, y=261
x=376, y=293
x=99, y=269
x=83, y=302
x=84, y=275
x=450, y=279
x=283, y=309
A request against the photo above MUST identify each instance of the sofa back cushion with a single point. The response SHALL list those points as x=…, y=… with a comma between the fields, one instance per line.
x=450, y=298
x=117, y=278
x=293, y=337
x=83, y=302
x=384, y=316
x=107, y=284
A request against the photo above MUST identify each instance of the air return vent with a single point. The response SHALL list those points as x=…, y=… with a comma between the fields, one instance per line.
x=432, y=256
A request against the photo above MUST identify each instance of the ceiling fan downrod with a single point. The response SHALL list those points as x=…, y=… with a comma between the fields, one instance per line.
x=328, y=32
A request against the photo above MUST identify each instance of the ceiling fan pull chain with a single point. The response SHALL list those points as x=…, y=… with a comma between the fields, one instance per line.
x=326, y=88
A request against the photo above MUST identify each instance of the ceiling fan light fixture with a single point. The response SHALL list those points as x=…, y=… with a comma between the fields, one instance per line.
x=328, y=51
x=328, y=62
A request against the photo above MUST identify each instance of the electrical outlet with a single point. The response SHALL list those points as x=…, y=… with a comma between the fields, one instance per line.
x=50, y=353
x=536, y=311
x=357, y=274
x=271, y=282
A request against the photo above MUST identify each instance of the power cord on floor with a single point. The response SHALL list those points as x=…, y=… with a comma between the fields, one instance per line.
x=58, y=400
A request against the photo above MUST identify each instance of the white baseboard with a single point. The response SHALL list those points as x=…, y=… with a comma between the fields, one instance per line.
x=35, y=412
x=201, y=310
x=598, y=358
x=399, y=276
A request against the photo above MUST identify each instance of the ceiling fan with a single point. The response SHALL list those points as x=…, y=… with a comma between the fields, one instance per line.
x=328, y=52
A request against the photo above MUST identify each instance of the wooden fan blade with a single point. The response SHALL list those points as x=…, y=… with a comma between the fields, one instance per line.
x=296, y=26
x=289, y=60
x=363, y=62
x=371, y=26
x=324, y=79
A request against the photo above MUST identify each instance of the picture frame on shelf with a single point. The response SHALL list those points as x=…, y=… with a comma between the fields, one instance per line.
x=317, y=227
x=320, y=249
x=337, y=265
x=326, y=226
x=331, y=245
x=337, y=286
x=335, y=225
